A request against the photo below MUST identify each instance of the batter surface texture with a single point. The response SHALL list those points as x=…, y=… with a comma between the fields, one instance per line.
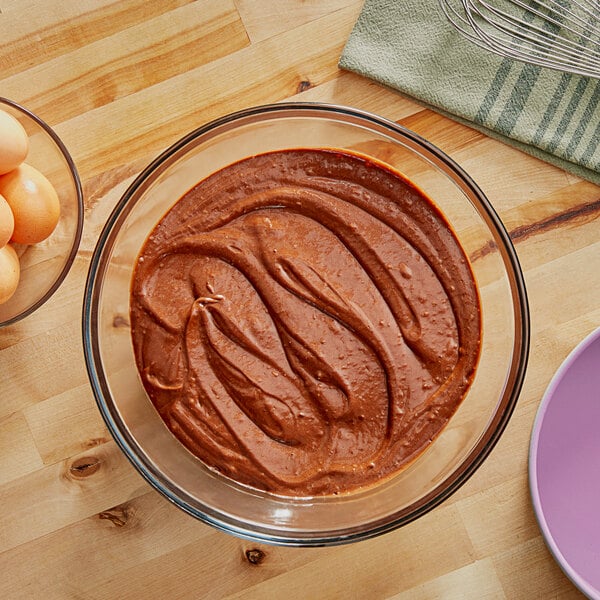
x=305, y=321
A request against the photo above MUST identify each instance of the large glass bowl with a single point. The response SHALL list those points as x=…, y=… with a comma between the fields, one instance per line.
x=449, y=461
x=45, y=265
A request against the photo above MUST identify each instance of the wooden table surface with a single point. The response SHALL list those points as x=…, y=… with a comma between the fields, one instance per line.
x=120, y=80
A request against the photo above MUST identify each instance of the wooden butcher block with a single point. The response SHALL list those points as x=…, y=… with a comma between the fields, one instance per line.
x=122, y=80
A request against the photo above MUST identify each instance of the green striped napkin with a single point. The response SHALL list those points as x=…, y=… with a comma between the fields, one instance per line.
x=408, y=45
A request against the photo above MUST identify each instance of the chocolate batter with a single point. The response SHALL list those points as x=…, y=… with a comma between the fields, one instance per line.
x=305, y=321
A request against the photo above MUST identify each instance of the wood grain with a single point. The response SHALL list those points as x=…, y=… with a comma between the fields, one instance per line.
x=120, y=81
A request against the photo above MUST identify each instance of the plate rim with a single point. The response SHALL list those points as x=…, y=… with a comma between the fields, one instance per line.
x=579, y=581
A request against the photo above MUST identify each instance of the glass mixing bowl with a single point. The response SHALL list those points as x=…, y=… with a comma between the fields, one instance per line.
x=45, y=265
x=135, y=424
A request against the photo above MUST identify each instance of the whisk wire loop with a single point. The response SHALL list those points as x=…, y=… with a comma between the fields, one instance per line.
x=559, y=34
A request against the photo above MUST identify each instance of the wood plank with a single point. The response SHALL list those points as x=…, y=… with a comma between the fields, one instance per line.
x=487, y=513
x=66, y=424
x=577, y=274
x=478, y=580
x=130, y=59
x=264, y=20
x=22, y=386
x=379, y=568
x=66, y=492
x=105, y=138
x=82, y=557
x=528, y=571
x=34, y=31
x=18, y=452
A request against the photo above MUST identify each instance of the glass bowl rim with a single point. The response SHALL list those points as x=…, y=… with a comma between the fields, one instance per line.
x=252, y=532
x=80, y=210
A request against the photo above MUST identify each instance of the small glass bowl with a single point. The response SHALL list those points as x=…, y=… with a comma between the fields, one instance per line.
x=45, y=265
x=135, y=424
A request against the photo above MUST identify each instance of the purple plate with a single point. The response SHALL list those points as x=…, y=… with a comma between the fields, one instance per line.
x=564, y=466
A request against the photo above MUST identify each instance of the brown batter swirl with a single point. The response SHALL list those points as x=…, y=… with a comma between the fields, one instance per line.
x=305, y=321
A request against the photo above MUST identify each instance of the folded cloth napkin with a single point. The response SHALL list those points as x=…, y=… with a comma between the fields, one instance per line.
x=410, y=46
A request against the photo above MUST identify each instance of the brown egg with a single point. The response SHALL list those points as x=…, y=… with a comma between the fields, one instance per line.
x=14, y=143
x=9, y=272
x=34, y=204
x=7, y=222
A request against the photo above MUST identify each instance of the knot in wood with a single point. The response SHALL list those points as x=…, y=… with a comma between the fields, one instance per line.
x=84, y=466
x=255, y=556
x=118, y=515
x=303, y=85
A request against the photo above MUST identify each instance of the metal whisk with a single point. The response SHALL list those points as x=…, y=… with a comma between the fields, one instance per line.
x=559, y=34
